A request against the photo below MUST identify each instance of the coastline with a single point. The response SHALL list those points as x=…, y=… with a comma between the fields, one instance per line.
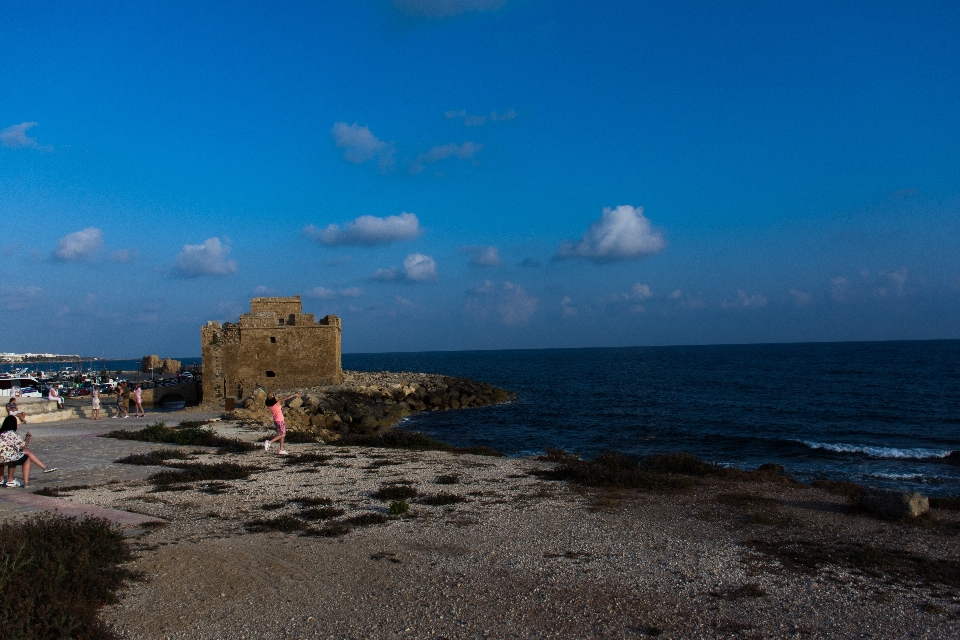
x=520, y=556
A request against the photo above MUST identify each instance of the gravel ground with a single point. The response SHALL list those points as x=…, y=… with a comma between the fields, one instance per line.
x=519, y=557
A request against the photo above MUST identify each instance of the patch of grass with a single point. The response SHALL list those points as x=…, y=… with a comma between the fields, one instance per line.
x=56, y=573
x=154, y=458
x=376, y=464
x=385, y=555
x=931, y=607
x=395, y=492
x=947, y=503
x=308, y=458
x=321, y=513
x=286, y=524
x=191, y=472
x=411, y=441
x=616, y=470
x=236, y=446
x=749, y=590
x=332, y=530
x=273, y=506
x=216, y=488
x=558, y=455
x=399, y=507
x=188, y=434
x=851, y=490
x=366, y=519
x=447, y=479
x=193, y=424
x=745, y=500
x=311, y=502
x=809, y=556
x=442, y=499
x=682, y=463
x=60, y=492
x=302, y=437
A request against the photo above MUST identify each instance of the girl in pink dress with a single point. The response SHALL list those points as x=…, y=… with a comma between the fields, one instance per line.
x=276, y=408
x=138, y=399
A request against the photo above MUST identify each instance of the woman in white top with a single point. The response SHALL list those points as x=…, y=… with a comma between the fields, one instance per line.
x=95, y=401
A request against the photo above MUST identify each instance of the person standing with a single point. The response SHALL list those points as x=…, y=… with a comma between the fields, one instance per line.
x=95, y=402
x=121, y=390
x=138, y=399
x=276, y=408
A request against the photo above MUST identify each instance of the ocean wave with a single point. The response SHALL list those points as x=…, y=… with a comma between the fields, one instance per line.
x=879, y=452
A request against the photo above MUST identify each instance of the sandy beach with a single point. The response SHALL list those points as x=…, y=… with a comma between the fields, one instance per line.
x=305, y=547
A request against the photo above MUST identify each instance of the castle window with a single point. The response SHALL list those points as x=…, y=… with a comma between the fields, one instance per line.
x=281, y=320
x=273, y=338
x=271, y=374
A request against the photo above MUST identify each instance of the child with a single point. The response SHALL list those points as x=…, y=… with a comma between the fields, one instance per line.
x=138, y=398
x=14, y=453
x=276, y=408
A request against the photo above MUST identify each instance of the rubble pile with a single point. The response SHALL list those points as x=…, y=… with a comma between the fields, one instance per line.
x=371, y=402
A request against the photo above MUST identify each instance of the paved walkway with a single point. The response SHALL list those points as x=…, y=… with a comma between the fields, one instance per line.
x=73, y=446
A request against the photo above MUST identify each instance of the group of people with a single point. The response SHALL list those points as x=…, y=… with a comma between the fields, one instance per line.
x=14, y=453
x=124, y=396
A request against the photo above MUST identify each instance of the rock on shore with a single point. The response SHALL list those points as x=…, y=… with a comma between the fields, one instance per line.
x=372, y=402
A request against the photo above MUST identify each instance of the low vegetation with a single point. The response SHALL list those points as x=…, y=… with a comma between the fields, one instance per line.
x=192, y=472
x=196, y=434
x=442, y=499
x=395, y=492
x=56, y=573
x=411, y=441
x=154, y=458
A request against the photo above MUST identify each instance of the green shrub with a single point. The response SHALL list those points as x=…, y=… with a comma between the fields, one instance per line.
x=286, y=524
x=56, y=573
x=399, y=507
x=442, y=499
x=395, y=492
x=617, y=470
x=154, y=458
x=188, y=434
x=191, y=472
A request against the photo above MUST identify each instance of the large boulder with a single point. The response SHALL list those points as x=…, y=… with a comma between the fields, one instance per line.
x=894, y=504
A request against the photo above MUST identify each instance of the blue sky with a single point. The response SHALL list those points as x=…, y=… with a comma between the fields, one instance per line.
x=480, y=174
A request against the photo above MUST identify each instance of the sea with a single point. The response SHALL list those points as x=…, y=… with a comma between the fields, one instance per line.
x=875, y=413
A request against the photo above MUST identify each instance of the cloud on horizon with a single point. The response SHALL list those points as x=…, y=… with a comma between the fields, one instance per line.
x=745, y=301
x=417, y=267
x=483, y=256
x=360, y=145
x=79, y=246
x=473, y=120
x=465, y=151
x=323, y=293
x=18, y=298
x=445, y=8
x=207, y=259
x=623, y=233
x=15, y=137
x=367, y=231
x=511, y=304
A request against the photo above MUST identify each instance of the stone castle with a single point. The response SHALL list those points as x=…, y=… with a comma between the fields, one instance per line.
x=275, y=346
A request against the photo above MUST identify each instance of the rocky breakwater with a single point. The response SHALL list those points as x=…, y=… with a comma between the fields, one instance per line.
x=368, y=403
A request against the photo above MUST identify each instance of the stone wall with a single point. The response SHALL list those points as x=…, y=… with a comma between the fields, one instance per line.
x=275, y=346
x=171, y=366
x=151, y=363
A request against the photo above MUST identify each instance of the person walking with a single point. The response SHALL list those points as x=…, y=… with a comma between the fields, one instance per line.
x=138, y=399
x=95, y=402
x=276, y=408
x=14, y=453
x=121, y=392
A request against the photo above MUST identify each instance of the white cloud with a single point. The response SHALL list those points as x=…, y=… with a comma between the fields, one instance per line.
x=483, y=256
x=419, y=268
x=743, y=300
x=475, y=120
x=17, y=298
x=16, y=137
x=641, y=292
x=800, y=298
x=445, y=8
x=360, y=145
x=124, y=255
x=566, y=306
x=262, y=290
x=675, y=295
x=623, y=233
x=839, y=289
x=464, y=151
x=367, y=230
x=387, y=275
x=512, y=305
x=80, y=245
x=207, y=259
x=351, y=292
x=320, y=293
x=898, y=278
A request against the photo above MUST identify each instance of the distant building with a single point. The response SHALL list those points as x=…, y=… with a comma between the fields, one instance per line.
x=275, y=346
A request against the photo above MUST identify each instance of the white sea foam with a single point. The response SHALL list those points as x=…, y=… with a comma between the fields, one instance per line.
x=879, y=452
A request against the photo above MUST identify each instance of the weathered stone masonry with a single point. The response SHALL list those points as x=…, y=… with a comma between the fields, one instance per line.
x=275, y=346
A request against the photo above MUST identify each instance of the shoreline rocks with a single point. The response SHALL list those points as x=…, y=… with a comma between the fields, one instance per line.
x=369, y=403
